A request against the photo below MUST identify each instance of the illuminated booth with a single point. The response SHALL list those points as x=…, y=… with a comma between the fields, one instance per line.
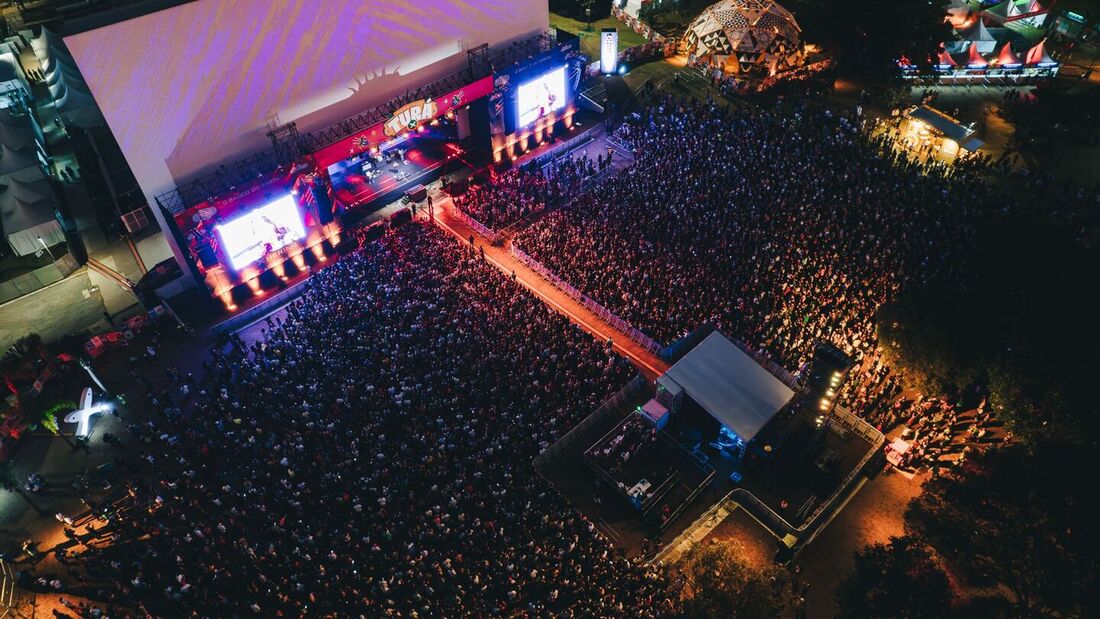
x=926, y=128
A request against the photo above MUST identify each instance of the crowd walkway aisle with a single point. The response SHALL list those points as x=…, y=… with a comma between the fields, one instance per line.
x=648, y=363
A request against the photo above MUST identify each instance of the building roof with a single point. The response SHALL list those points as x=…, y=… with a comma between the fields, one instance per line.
x=941, y=122
x=729, y=385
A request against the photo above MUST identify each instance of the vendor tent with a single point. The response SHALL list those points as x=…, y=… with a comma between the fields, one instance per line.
x=49, y=44
x=1006, y=58
x=15, y=136
x=1038, y=55
x=978, y=35
x=975, y=60
x=729, y=385
x=27, y=214
x=21, y=165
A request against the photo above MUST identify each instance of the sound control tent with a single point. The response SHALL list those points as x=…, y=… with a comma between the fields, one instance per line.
x=729, y=385
x=27, y=213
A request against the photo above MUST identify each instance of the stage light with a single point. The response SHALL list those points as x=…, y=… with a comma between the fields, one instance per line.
x=622, y=69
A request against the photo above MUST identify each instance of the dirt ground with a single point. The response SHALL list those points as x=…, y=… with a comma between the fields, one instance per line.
x=874, y=515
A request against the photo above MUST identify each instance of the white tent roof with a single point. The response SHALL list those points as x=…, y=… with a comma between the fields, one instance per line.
x=19, y=164
x=10, y=69
x=15, y=136
x=729, y=385
x=48, y=44
x=26, y=212
x=51, y=63
x=67, y=74
x=84, y=117
x=977, y=32
x=72, y=99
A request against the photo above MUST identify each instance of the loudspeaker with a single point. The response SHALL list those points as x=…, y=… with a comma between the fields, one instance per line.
x=418, y=193
x=323, y=202
x=207, y=256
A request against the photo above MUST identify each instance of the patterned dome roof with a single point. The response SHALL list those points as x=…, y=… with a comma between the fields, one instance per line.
x=752, y=36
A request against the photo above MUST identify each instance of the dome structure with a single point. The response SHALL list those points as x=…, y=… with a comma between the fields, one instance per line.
x=747, y=37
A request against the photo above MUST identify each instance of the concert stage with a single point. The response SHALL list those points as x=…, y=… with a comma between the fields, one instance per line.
x=375, y=177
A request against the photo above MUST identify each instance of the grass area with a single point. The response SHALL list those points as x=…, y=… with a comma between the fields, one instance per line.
x=660, y=74
x=590, y=39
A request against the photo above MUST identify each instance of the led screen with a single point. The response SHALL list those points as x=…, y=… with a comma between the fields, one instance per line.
x=188, y=88
x=540, y=96
x=269, y=228
x=609, y=50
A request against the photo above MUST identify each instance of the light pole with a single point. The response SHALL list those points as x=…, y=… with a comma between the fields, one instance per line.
x=88, y=368
x=46, y=247
x=588, y=17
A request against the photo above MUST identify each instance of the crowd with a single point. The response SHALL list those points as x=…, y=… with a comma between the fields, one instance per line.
x=782, y=229
x=372, y=456
x=507, y=198
x=514, y=195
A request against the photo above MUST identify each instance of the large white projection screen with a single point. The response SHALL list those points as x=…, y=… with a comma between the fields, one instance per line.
x=191, y=87
x=540, y=96
x=271, y=227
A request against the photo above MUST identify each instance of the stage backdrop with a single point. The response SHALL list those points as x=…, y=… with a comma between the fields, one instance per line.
x=188, y=88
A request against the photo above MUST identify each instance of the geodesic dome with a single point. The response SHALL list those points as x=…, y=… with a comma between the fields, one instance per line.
x=749, y=37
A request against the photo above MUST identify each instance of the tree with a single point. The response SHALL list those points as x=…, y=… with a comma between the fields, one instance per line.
x=1021, y=520
x=721, y=583
x=50, y=418
x=899, y=579
x=1010, y=318
x=10, y=482
x=868, y=41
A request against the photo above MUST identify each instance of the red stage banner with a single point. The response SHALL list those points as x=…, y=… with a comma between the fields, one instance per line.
x=404, y=119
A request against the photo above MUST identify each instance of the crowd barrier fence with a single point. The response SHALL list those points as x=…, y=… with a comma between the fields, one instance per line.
x=611, y=406
x=620, y=325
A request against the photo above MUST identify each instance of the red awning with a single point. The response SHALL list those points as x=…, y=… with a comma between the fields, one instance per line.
x=1006, y=57
x=1038, y=54
x=975, y=59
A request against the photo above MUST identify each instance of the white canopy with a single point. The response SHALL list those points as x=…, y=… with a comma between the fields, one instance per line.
x=48, y=44
x=71, y=99
x=729, y=385
x=13, y=134
x=26, y=213
x=22, y=165
x=69, y=75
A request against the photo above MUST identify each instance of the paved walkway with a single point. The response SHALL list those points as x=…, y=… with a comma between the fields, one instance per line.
x=650, y=365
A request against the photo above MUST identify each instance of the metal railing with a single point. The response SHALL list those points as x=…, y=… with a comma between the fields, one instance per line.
x=611, y=406
x=490, y=235
x=587, y=302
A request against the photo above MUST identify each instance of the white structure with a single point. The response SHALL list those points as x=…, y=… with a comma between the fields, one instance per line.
x=27, y=215
x=188, y=88
x=728, y=384
x=82, y=417
x=749, y=37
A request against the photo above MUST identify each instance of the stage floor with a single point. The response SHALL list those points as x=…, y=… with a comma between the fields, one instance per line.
x=425, y=158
